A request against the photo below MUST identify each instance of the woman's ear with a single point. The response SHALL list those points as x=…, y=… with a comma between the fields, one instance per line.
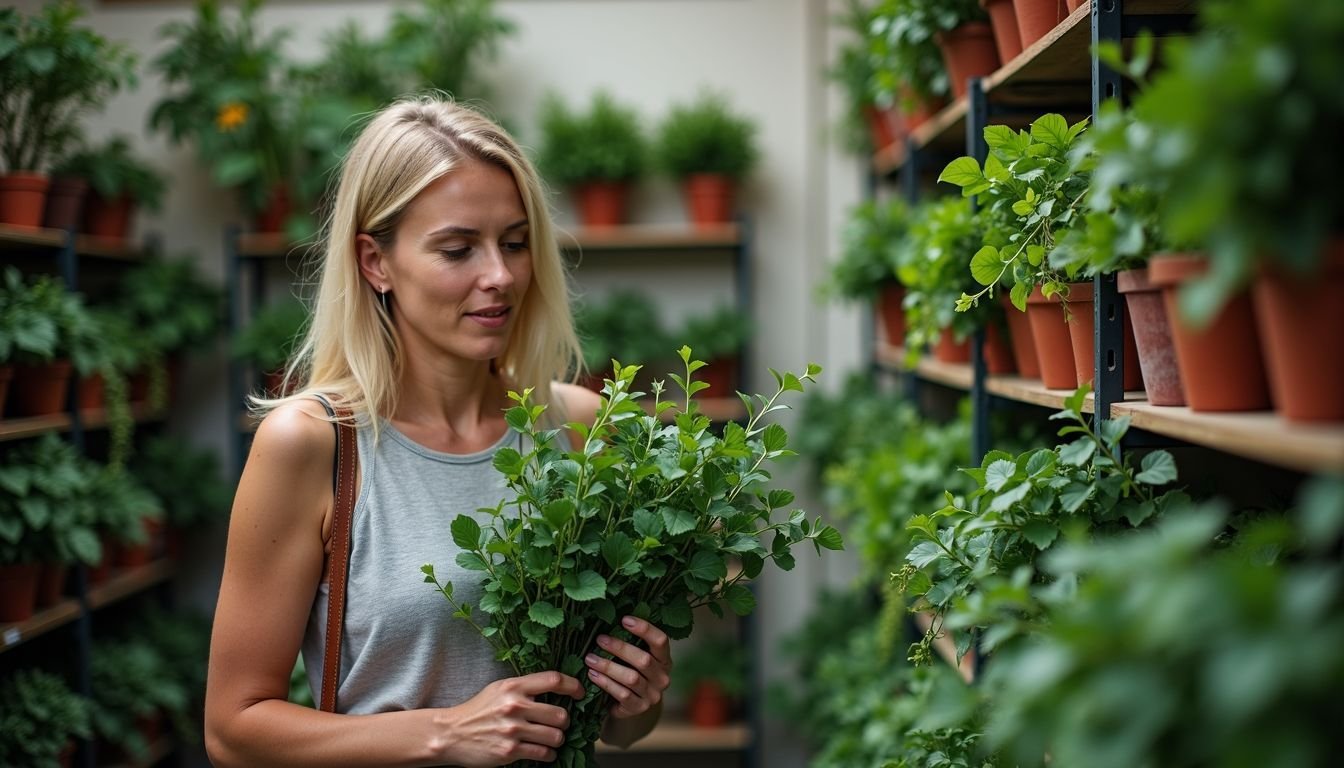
x=372, y=263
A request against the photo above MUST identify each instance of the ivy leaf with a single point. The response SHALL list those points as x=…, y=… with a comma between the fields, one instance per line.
x=546, y=614
x=583, y=586
x=986, y=266
x=466, y=532
x=1158, y=469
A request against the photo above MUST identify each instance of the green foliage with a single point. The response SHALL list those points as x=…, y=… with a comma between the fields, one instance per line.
x=187, y=479
x=1171, y=652
x=869, y=253
x=706, y=136
x=171, y=304
x=132, y=679
x=642, y=518
x=1033, y=186
x=605, y=143
x=717, y=334
x=904, y=38
x=52, y=72
x=40, y=321
x=39, y=716
x=625, y=326
x=123, y=505
x=181, y=640
x=943, y=237
x=47, y=508
x=300, y=691
x=225, y=90
x=444, y=44
x=270, y=337
x=716, y=657
x=114, y=171
x=1238, y=137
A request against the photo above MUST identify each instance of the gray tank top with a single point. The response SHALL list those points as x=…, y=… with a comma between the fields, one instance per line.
x=401, y=648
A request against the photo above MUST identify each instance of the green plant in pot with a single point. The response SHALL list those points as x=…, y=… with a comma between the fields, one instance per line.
x=912, y=73
x=598, y=153
x=870, y=255
x=961, y=30
x=126, y=512
x=40, y=719
x=867, y=125
x=445, y=44
x=106, y=351
x=53, y=70
x=226, y=92
x=719, y=336
x=711, y=678
x=710, y=148
x=39, y=322
x=181, y=639
x=189, y=482
x=624, y=326
x=121, y=183
x=268, y=342
x=132, y=687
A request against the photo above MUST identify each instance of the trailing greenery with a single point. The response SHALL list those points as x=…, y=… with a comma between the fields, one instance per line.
x=39, y=717
x=870, y=252
x=48, y=510
x=123, y=506
x=115, y=171
x=186, y=478
x=641, y=519
x=944, y=235
x=706, y=136
x=53, y=70
x=718, y=334
x=605, y=143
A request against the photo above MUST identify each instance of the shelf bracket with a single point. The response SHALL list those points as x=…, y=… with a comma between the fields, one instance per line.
x=976, y=119
x=1108, y=364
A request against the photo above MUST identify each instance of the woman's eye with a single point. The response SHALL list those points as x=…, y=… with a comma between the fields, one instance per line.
x=521, y=245
x=454, y=254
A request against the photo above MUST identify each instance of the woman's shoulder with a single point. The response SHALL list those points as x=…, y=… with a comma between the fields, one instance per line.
x=298, y=428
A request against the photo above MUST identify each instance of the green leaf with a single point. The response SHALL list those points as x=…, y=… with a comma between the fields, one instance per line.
x=471, y=561
x=775, y=438
x=999, y=473
x=618, y=550
x=1042, y=462
x=583, y=586
x=740, y=599
x=1075, y=495
x=1008, y=498
x=1051, y=129
x=829, y=538
x=963, y=171
x=648, y=524
x=509, y=462
x=1112, y=430
x=1019, y=295
x=1041, y=533
x=986, y=266
x=466, y=532
x=517, y=418
x=1078, y=452
x=559, y=512
x=546, y=614
x=236, y=168
x=1159, y=468
x=707, y=566
x=677, y=521
x=676, y=614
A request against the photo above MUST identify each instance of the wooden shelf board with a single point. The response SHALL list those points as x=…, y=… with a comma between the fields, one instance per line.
x=43, y=621
x=129, y=582
x=29, y=426
x=955, y=375
x=891, y=357
x=1262, y=436
x=651, y=237
x=1061, y=56
x=15, y=236
x=106, y=248
x=677, y=736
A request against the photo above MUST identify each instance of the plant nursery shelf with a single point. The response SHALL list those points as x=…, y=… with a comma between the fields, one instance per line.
x=673, y=736
x=27, y=238
x=652, y=237
x=130, y=582
x=268, y=245
x=29, y=426
x=41, y=622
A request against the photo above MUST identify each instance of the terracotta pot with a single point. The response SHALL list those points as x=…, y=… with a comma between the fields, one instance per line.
x=277, y=209
x=67, y=755
x=1152, y=336
x=157, y=531
x=6, y=374
x=708, y=705
x=1035, y=18
x=137, y=386
x=23, y=196
x=41, y=390
x=998, y=352
x=1003, y=19
x=1024, y=346
x=110, y=219
x=721, y=376
x=129, y=555
x=1302, y=324
x=1074, y=4
x=51, y=584
x=92, y=392
x=949, y=350
x=920, y=110
x=891, y=311
x=1220, y=363
x=18, y=591
x=1082, y=334
x=709, y=198
x=1050, y=335
x=968, y=51
x=65, y=203
x=601, y=203
x=884, y=127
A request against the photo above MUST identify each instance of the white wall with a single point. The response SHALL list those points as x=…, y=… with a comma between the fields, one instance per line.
x=766, y=55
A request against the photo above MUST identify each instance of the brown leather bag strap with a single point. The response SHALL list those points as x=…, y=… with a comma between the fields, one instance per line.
x=338, y=561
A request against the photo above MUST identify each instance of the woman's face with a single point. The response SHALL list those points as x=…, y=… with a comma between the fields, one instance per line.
x=460, y=265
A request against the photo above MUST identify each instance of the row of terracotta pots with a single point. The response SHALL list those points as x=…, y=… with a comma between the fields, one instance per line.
x=1003, y=356
x=42, y=390
x=63, y=202
x=888, y=126
x=1018, y=24
x=710, y=200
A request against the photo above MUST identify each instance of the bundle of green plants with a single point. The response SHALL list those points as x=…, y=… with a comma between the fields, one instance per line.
x=182, y=641
x=1033, y=183
x=53, y=71
x=48, y=510
x=1169, y=649
x=604, y=143
x=706, y=136
x=113, y=170
x=975, y=559
x=131, y=681
x=871, y=250
x=944, y=234
x=186, y=478
x=269, y=339
x=642, y=518
x=39, y=319
x=39, y=718
x=718, y=334
x=123, y=506
x=624, y=326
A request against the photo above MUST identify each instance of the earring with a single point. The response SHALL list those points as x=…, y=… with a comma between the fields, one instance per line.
x=383, y=298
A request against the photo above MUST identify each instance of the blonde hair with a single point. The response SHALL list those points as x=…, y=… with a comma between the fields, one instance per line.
x=350, y=352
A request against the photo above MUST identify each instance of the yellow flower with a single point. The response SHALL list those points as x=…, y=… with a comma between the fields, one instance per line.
x=231, y=116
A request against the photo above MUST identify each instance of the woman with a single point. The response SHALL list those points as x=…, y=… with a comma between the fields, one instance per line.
x=442, y=290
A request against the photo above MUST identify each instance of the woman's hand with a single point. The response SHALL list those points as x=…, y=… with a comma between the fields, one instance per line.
x=504, y=723
x=635, y=678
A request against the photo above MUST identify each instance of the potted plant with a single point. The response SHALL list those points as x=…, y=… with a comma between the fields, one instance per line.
x=132, y=689
x=710, y=149
x=52, y=71
x=127, y=513
x=38, y=325
x=1036, y=18
x=225, y=90
x=268, y=342
x=188, y=482
x=711, y=677
x=868, y=123
x=962, y=32
x=597, y=154
x=121, y=183
x=181, y=640
x=719, y=336
x=870, y=254
x=625, y=326
x=911, y=71
x=40, y=719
